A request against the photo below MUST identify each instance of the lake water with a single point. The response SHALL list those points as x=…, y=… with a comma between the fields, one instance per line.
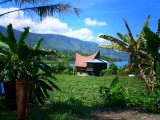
x=119, y=64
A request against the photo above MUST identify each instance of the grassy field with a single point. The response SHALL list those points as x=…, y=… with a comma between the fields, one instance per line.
x=78, y=98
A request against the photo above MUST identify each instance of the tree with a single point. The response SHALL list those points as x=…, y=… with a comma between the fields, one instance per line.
x=127, y=43
x=22, y=63
x=41, y=8
x=143, y=51
x=153, y=44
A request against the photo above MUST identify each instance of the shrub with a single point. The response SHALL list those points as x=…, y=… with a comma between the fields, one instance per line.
x=62, y=67
x=113, y=67
x=152, y=101
x=107, y=72
x=120, y=71
x=115, y=95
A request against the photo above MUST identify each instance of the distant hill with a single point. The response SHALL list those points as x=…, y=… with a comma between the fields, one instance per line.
x=64, y=43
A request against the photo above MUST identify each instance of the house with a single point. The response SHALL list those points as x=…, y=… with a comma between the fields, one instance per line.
x=89, y=65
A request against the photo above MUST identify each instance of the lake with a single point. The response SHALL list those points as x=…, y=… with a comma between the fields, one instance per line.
x=119, y=64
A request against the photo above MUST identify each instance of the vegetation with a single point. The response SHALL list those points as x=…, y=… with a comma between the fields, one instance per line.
x=143, y=52
x=41, y=8
x=20, y=61
x=80, y=96
x=115, y=95
x=113, y=70
x=128, y=44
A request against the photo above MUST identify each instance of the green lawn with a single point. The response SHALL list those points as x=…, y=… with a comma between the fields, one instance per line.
x=78, y=97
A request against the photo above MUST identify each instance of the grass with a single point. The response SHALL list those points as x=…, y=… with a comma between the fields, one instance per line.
x=78, y=98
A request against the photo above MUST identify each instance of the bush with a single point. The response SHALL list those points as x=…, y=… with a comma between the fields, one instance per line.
x=141, y=100
x=115, y=95
x=62, y=67
x=120, y=71
x=152, y=101
x=107, y=72
x=113, y=67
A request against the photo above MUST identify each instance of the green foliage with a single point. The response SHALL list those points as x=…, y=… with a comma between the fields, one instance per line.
x=114, y=95
x=139, y=99
x=158, y=70
x=80, y=97
x=62, y=67
x=153, y=42
x=20, y=61
x=135, y=98
x=113, y=67
x=152, y=102
x=120, y=71
x=106, y=72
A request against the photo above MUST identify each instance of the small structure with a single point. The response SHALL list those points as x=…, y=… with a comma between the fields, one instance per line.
x=89, y=65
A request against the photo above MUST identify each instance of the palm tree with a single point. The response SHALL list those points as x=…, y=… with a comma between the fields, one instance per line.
x=41, y=8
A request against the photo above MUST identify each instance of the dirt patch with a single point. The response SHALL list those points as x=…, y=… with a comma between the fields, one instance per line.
x=124, y=115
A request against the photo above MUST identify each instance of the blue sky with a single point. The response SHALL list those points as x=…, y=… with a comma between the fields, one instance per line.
x=97, y=17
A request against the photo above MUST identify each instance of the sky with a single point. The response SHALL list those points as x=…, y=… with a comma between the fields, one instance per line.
x=97, y=17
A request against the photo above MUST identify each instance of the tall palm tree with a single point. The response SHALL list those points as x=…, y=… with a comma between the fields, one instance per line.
x=42, y=8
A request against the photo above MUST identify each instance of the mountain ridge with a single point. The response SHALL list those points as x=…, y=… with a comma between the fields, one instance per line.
x=65, y=43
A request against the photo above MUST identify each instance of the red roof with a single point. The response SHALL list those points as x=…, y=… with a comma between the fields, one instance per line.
x=81, y=60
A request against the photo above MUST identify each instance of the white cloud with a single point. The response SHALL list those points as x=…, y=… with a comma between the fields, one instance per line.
x=90, y=22
x=49, y=25
x=102, y=41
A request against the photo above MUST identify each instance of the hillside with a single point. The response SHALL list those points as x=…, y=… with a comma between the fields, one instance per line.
x=64, y=43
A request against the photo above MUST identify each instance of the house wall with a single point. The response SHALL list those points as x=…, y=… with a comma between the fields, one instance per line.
x=82, y=73
x=95, y=68
x=92, y=69
x=98, y=68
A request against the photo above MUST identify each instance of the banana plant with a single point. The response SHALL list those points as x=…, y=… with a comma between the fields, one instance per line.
x=114, y=95
x=127, y=43
x=19, y=61
x=153, y=44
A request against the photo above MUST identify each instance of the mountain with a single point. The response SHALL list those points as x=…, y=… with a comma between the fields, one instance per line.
x=64, y=43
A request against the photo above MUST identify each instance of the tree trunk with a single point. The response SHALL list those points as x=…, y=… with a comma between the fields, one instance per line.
x=22, y=97
x=149, y=79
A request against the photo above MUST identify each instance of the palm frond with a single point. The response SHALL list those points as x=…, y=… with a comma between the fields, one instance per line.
x=23, y=36
x=126, y=38
x=141, y=35
x=49, y=10
x=133, y=42
x=37, y=46
x=31, y=2
x=120, y=36
x=115, y=47
x=114, y=40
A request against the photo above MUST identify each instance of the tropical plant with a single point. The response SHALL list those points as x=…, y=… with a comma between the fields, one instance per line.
x=114, y=67
x=153, y=57
x=114, y=95
x=127, y=43
x=107, y=72
x=20, y=61
x=143, y=52
x=41, y=8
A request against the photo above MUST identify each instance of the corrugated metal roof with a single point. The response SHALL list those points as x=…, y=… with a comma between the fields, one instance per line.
x=97, y=60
